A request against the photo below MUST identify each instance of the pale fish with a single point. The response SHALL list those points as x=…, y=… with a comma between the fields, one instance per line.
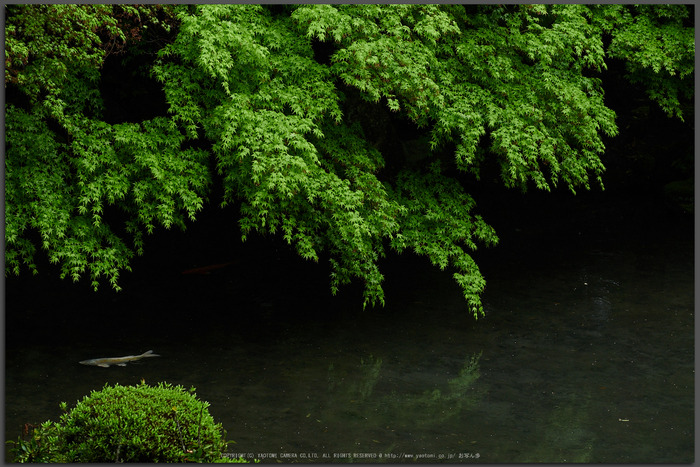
x=119, y=361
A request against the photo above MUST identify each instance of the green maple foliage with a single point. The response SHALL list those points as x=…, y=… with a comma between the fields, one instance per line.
x=295, y=135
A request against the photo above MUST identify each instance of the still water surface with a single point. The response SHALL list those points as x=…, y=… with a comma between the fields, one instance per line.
x=586, y=352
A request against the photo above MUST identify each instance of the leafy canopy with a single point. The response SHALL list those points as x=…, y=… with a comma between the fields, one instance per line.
x=281, y=102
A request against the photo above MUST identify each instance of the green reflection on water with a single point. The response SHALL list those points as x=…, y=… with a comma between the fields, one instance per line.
x=437, y=406
x=359, y=386
x=353, y=389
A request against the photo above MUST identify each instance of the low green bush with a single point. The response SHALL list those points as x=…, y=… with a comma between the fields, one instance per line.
x=141, y=423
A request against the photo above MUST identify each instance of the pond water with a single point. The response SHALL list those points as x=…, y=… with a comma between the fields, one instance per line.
x=586, y=352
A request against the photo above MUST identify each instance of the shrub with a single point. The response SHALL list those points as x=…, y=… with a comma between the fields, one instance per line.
x=141, y=423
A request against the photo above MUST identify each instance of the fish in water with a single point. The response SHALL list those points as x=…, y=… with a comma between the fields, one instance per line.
x=119, y=361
